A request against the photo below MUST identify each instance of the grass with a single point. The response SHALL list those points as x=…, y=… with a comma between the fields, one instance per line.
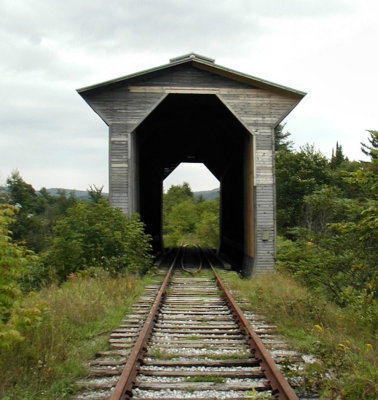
x=346, y=350
x=228, y=356
x=162, y=354
x=208, y=378
x=75, y=323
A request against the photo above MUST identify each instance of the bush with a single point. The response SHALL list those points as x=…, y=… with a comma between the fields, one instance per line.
x=96, y=235
x=328, y=267
x=15, y=262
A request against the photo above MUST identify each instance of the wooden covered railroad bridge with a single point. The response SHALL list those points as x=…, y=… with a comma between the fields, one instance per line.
x=192, y=110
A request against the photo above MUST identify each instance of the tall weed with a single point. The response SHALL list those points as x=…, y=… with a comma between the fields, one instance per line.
x=74, y=321
x=345, y=348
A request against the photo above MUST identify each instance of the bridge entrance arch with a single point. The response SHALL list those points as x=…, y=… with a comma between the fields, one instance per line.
x=193, y=110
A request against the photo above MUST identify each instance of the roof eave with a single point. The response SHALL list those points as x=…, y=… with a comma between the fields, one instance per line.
x=206, y=65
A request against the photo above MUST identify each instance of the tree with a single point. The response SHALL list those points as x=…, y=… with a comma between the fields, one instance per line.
x=324, y=206
x=23, y=194
x=15, y=262
x=207, y=227
x=372, y=149
x=95, y=193
x=37, y=211
x=176, y=194
x=180, y=223
x=281, y=142
x=337, y=157
x=27, y=226
x=297, y=174
x=188, y=220
x=335, y=247
x=96, y=235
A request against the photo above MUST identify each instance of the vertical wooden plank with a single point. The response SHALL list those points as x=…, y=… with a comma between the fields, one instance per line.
x=249, y=217
x=119, y=167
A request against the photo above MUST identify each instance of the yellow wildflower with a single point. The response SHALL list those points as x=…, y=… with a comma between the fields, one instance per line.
x=369, y=347
x=319, y=328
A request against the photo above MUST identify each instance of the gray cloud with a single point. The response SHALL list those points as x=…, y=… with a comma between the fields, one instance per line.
x=49, y=48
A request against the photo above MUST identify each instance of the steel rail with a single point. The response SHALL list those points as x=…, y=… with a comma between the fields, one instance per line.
x=194, y=271
x=281, y=390
x=127, y=378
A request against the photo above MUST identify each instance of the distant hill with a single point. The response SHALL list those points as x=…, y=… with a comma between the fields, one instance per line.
x=83, y=194
x=79, y=194
x=208, y=194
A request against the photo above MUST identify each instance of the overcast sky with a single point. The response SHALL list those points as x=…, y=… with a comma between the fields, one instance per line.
x=49, y=48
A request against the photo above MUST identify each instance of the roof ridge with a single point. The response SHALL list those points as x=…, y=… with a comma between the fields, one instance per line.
x=192, y=56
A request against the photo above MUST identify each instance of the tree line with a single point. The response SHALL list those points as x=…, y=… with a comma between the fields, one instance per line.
x=327, y=218
x=188, y=219
x=46, y=239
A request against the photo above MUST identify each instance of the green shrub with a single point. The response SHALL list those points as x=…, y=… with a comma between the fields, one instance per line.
x=15, y=262
x=333, y=269
x=96, y=235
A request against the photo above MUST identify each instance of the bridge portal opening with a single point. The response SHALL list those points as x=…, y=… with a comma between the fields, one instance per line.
x=194, y=128
x=191, y=215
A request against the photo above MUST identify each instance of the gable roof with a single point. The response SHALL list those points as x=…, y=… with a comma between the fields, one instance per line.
x=207, y=64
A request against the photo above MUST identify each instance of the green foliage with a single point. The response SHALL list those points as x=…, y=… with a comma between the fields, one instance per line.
x=37, y=212
x=371, y=149
x=337, y=157
x=345, y=349
x=207, y=227
x=176, y=194
x=15, y=261
x=281, y=139
x=333, y=247
x=75, y=320
x=334, y=270
x=325, y=205
x=189, y=221
x=96, y=235
x=95, y=193
x=297, y=174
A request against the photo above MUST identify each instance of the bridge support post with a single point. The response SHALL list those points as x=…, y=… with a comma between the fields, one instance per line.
x=119, y=167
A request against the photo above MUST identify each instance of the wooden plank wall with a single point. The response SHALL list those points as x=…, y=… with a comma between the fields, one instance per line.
x=123, y=110
x=260, y=112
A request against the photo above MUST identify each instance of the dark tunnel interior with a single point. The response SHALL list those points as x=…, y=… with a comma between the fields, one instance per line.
x=192, y=128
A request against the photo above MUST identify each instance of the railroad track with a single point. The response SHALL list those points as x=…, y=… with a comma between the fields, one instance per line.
x=187, y=339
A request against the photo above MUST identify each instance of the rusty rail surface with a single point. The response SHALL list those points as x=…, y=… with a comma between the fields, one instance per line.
x=127, y=378
x=281, y=389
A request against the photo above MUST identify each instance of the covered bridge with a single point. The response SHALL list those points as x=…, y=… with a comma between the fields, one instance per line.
x=192, y=110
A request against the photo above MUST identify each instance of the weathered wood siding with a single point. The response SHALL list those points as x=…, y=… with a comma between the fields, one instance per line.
x=122, y=110
x=186, y=76
x=260, y=112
